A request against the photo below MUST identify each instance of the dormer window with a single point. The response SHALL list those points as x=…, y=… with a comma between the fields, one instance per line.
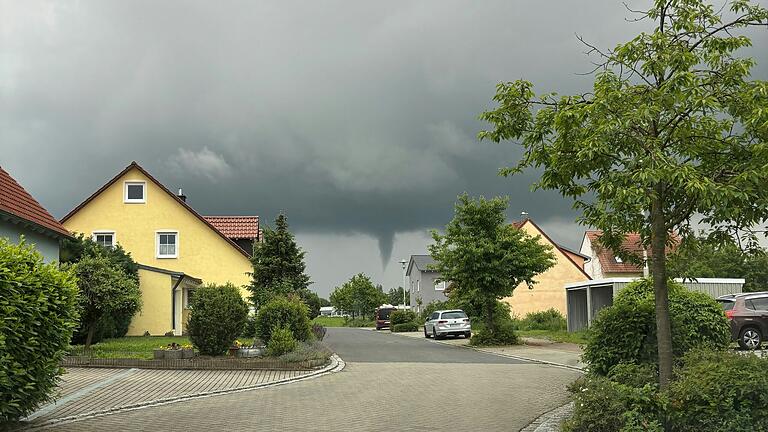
x=617, y=259
x=135, y=192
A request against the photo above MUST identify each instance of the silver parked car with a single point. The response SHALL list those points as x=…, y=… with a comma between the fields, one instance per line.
x=448, y=322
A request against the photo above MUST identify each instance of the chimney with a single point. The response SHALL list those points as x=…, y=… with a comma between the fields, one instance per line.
x=524, y=215
x=182, y=196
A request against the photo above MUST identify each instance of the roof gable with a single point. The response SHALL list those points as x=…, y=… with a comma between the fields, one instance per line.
x=632, y=244
x=16, y=201
x=178, y=200
x=562, y=250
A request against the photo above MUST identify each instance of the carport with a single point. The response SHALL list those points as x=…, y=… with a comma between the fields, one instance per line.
x=585, y=299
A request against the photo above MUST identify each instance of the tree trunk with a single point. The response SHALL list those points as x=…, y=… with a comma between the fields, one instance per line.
x=489, y=322
x=91, y=331
x=659, y=273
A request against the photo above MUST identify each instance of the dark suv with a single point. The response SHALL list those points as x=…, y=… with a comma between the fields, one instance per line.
x=748, y=315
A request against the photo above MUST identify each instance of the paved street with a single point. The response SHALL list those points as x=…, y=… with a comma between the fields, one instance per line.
x=390, y=382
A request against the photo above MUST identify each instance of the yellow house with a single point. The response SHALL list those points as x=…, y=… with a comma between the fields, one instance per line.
x=549, y=290
x=176, y=248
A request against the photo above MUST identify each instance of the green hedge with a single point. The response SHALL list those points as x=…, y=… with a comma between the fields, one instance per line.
x=217, y=317
x=401, y=317
x=280, y=312
x=38, y=306
x=550, y=319
x=626, y=331
x=405, y=327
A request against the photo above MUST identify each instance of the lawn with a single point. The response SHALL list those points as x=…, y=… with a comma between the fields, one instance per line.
x=137, y=346
x=327, y=321
x=555, y=335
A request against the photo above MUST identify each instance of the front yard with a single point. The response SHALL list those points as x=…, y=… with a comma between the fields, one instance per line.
x=136, y=347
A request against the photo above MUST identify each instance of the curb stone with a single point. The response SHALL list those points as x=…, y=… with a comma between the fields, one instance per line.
x=336, y=364
x=550, y=421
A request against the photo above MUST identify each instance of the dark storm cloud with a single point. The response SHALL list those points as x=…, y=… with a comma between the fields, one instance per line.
x=351, y=117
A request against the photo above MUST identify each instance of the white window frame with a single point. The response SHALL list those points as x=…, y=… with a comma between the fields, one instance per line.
x=133, y=183
x=157, y=244
x=418, y=285
x=618, y=259
x=440, y=286
x=103, y=232
x=186, y=297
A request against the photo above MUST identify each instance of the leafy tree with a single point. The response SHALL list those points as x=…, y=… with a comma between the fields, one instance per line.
x=395, y=297
x=312, y=300
x=324, y=302
x=38, y=306
x=218, y=315
x=485, y=257
x=278, y=265
x=358, y=296
x=672, y=128
x=105, y=289
x=704, y=257
x=109, y=325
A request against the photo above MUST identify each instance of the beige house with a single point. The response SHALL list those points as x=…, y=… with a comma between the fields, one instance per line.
x=548, y=292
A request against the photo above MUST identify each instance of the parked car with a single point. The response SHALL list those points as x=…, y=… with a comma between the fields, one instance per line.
x=748, y=316
x=448, y=322
x=382, y=317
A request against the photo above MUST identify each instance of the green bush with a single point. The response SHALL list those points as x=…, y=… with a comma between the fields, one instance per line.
x=427, y=310
x=626, y=331
x=38, y=305
x=723, y=391
x=604, y=405
x=504, y=335
x=281, y=341
x=217, y=317
x=283, y=312
x=550, y=319
x=308, y=351
x=405, y=327
x=401, y=317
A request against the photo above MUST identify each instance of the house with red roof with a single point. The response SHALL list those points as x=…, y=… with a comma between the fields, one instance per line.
x=604, y=263
x=21, y=215
x=177, y=248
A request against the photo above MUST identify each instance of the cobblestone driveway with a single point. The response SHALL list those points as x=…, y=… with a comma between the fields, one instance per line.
x=477, y=393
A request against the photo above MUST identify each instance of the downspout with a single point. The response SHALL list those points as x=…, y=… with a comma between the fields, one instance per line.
x=173, y=302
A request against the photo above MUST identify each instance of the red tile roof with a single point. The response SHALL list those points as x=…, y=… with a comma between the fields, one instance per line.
x=16, y=201
x=236, y=227
x=166, y=190
x=607, y=258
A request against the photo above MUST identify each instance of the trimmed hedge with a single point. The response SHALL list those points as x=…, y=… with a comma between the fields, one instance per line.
x=38, y=306
x=280, y=312
x=626, y=331
x=405, y=327
x=217, y=317
x=401, y=317
x=550, y=319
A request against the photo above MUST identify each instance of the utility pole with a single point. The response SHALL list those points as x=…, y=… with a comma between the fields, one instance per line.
x=403, y=263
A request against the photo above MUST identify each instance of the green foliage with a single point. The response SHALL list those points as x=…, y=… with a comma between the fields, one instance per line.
x=324, y=302
x=38, y=305
x=605, y=405
x=705, y=257
x=308, y=351
x=278, y=265
x=290, y=313
x=673, y=127
x=722, y=391
x=485, y=258
x=401, y=317
x=395, y=296
x=503, y=334
x=626, y=331
x=327, y=321
x=217, y=317
x=550, y=319
x=358, y=296
x=281, y=341
x=111, y=325
x=249, y=329
x=405, y=327
x=318, y=331
x=105, y=290
x=312, y=300
x=436, y=305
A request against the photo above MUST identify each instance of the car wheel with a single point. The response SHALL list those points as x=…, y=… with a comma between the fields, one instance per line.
x=750, y=338
x=434, y=334
x=426, y=335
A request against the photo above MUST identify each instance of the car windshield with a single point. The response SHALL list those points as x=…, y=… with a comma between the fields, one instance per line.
x=727, y=304
x=454, y=315
x=384, y=314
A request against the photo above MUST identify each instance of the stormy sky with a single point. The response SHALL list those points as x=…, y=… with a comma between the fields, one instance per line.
x=356, y=119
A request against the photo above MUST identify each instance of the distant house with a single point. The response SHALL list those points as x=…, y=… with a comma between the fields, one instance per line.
x=22, y=215
x=603, y=263
x=176, y=248
x=422, y=284
x=547, y=292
